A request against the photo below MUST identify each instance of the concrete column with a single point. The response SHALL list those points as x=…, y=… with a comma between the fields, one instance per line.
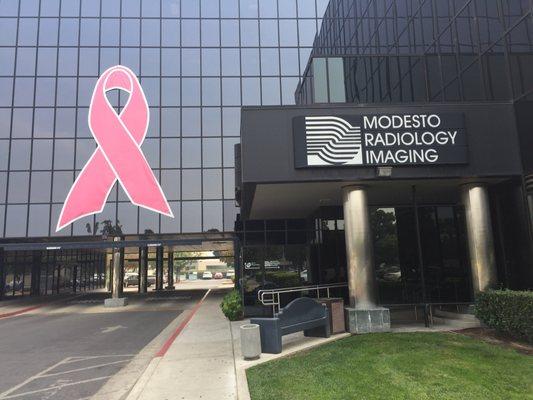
x=159, y=268
x=115, y=290
x=116, y=300
x=480, y=237
x=359, y=254
x=2, y=273
x=143, y=266
x=170, y=271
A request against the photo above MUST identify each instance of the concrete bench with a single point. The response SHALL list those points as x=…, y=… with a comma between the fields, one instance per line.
x=303, y=314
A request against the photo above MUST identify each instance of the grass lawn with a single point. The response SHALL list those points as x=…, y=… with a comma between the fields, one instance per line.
x=397, y=366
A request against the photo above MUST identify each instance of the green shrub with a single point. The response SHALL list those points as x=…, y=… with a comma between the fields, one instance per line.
x=232, y=306
x=507, y=311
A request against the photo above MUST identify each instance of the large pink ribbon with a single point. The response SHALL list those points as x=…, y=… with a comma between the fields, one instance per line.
x=118, y=155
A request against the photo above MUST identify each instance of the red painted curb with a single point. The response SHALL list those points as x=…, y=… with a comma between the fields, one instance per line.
x=22, y=311
x=180, y=328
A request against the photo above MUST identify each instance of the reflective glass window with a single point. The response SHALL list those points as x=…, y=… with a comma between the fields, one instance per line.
x=230, y=62
x=229, y=9
x=131, y=32
x=109, y=35
x=229, y=32
x=191, y=153
x=20, y=154
x=68, y=31
x=212, y=215
x=210, y=62
x=211, y=150
x=40, y=187
x=89, y=31
x=170, y=182
x=27, y=32
x=24, y=91
x=25, y=62
x=211, y=121
x=170, y=62
x=210, y=32
x=249, y=33
x=170, y=122
x=269, y=32
x=8, y=27
x=6, y=88
x=170, y=153
x=191, y=212
x=150, y=32
x=38, y=222
x=7, y=61
x=250, y=62
x=42, y=154
x=18, y=187
x=170, y=91
x=288, y=32
x=210, y=92
x=170, y=32
x=16, y=220
x=191, y=121
x=191, y=187
x=191, y=91
x=248, y=8
x=190, y=32
x=22, y=118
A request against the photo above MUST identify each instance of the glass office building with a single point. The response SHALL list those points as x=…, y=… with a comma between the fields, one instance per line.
x=464, y=59
x=198, y=62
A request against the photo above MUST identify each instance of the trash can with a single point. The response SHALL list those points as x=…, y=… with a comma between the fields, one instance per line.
x=250, y=341
x=336, y=313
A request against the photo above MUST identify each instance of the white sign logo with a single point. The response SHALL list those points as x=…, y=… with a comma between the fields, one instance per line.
x=332, y=141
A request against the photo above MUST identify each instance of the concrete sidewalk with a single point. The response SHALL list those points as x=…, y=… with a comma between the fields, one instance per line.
x=198, y=365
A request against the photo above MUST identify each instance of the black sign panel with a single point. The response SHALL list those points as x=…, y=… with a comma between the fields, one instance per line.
x=379, y=140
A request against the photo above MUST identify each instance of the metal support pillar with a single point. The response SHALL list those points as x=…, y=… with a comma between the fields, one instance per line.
x=116, y=300
x=2, y=273
x=143, y=269
x=480, y=237
x=35, y=289
x=159, y=268
x=170, y=271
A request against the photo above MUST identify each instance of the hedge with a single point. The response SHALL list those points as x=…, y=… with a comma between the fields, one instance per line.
x=232, y=306
x=507, y=311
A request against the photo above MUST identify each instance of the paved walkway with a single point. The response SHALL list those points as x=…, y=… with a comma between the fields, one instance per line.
x=199, y=364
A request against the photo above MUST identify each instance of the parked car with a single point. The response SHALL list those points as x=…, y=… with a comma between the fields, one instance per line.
x=218, y=275
x=17, y=284
x=131, y=280
x=207, y=275
x=151, y=280
x=230, y=274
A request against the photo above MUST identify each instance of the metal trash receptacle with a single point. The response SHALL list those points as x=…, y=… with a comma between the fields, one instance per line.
x=335, y=307
x=250, y=341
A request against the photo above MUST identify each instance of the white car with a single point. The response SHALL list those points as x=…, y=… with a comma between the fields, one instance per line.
x=230, y=274
x=207, y=275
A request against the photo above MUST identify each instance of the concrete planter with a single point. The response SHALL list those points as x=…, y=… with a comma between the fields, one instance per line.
x=250, y=341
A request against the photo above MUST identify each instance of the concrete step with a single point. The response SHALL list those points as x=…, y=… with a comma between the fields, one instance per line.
x=456, y=323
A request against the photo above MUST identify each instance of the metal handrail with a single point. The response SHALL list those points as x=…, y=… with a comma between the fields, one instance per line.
x=271, y=297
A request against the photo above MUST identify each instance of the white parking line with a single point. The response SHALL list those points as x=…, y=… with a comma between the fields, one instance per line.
x=46, y=373
x=56, y=387
x=81, y=369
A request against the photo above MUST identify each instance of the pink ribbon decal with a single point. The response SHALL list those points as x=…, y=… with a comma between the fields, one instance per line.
x=118, y=155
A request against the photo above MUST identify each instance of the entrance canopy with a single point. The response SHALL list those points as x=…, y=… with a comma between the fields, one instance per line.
x=299, y=200
x=292, y=160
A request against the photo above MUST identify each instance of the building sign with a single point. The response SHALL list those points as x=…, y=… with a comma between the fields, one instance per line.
x=380, y=140
x=118, y=156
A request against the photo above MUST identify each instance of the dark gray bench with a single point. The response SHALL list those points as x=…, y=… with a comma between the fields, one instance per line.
x=303, y=314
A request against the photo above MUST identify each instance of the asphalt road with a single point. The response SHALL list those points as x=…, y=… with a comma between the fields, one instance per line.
x=70, y=350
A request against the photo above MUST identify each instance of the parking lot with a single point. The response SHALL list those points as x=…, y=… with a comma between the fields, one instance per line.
x=69, y=349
